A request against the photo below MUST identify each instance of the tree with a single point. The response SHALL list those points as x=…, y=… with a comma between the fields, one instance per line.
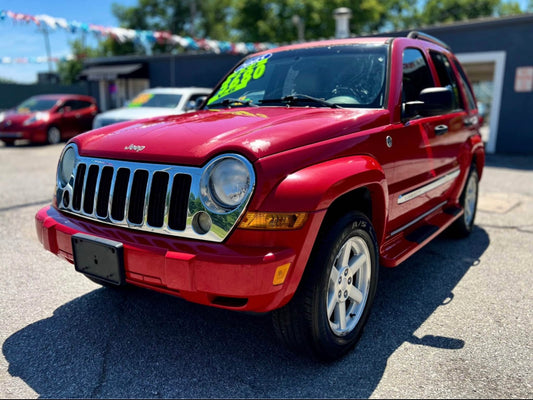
x=398, y=15
x=272, y=21
x=509, y=8
x=69, y=70
x=441, y=11
x=276, y=21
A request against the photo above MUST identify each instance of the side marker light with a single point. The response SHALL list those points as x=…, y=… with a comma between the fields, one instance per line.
x=281, y=274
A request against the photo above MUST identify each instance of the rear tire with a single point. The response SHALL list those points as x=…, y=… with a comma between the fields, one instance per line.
x=327, y=314
x=463, y=226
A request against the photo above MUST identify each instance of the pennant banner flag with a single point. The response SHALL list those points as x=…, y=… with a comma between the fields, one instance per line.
x=123, y=35
x=33, y=60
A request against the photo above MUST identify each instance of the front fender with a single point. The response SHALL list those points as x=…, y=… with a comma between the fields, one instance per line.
x=317, y=187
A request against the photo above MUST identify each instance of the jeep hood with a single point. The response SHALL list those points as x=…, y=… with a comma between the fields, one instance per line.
x=193, y=138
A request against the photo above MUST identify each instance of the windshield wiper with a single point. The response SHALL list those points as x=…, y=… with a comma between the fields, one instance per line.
x=300, y=98
x=233, y=102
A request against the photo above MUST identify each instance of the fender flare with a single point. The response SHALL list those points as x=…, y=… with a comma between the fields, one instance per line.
x=316, y=187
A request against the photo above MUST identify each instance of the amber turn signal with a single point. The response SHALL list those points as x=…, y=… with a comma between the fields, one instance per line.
x=273, y=221
x=281, y=274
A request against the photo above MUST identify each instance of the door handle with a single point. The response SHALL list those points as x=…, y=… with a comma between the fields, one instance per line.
x=441, y=129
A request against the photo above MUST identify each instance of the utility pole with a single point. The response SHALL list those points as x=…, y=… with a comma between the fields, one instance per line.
x=299, y=22
x=44, y=29
x=192, y=6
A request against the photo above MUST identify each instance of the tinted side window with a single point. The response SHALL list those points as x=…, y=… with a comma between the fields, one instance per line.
x=466, y=87
x=416, y=75
x=80, y=104
x=447, y=77
x=69, y=103
x=196, y=96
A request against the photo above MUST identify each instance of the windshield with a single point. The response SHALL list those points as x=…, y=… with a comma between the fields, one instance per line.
x=163, y=100
x=34, y=104
x=347, y=76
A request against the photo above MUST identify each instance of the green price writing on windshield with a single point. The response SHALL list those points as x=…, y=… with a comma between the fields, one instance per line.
x=240, y=78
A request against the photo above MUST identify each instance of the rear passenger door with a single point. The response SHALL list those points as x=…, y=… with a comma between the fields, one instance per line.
x=452, y=132
x=84, y=112
x=68, y=122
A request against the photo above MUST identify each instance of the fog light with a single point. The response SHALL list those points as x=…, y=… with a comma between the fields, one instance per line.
x=201, y=222
x=66, y=198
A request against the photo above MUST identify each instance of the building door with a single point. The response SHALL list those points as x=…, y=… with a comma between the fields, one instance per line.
x=486, y=72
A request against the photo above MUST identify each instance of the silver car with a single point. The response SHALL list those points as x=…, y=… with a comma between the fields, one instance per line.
x=154, y=103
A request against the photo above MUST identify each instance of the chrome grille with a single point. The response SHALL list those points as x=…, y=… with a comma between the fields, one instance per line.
x=157, y=198
x=136, y=196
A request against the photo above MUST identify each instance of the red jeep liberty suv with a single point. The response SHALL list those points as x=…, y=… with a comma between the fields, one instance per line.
x=306, y=168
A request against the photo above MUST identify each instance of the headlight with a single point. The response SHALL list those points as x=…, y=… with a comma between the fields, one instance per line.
x=2, y=116
x=38, y=116
x=226, y=183
x=66, y=165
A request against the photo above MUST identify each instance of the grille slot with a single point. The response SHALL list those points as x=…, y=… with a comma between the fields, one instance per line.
x=104, y=190
x=177, y=216
x=158, y=195
x=137, y=197
x=118, y=205
x=90, y=189
x=78, y=187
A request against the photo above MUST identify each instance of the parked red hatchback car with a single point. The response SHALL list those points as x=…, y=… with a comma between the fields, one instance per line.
x=48, y=118
x=307, y=168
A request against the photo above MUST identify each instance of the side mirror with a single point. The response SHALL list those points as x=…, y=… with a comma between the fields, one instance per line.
x=199, y=101
x=432, y=101
x=191, y=105
x=65, y=109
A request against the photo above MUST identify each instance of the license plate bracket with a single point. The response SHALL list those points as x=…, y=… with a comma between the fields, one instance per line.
x=99, y=258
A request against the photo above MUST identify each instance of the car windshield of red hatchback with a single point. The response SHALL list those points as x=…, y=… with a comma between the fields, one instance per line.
x=32, y=105
x=164, y=100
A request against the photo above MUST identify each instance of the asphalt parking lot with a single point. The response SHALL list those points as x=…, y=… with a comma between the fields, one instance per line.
x=454, y=321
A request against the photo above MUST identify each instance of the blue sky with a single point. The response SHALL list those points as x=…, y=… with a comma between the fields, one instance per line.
x=24, y=40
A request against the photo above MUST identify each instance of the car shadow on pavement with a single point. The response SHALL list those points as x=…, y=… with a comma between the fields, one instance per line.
x=141, y=344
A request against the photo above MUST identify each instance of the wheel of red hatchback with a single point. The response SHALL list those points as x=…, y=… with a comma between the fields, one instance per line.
x=9, y=143
x=53, y=135
x=327, y=314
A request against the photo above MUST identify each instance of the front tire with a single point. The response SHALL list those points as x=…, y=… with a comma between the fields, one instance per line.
x=53, y=135
x=327, y=314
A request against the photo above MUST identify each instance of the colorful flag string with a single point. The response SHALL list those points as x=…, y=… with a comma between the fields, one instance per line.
x=144, y=37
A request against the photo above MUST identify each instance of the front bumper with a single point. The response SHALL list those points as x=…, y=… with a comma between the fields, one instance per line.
x=233, y=277
x=31, y=133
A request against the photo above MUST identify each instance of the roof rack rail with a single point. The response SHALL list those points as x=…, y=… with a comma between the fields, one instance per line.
x=429, y=38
